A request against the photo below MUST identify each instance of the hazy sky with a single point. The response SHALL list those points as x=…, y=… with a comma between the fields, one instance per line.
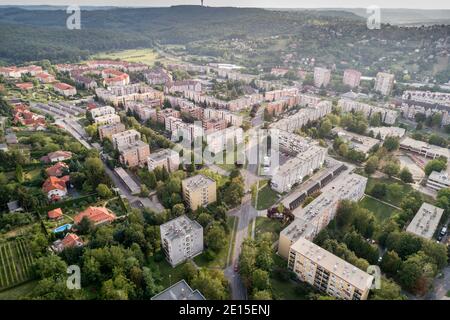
x=413, y=4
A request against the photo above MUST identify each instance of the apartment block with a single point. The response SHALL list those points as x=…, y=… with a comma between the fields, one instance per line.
x=388, y=116
x=218, y=141
x=107, y=131
x=144, y=110
x=327, y=272
x=356, y=141
x=163, y=114
x=166, y=158
x=322, y=77
x=297, y=168
x=212, y=125
x=135, y=154
x=352, y=78
x=424, y=149
x=199, y=191
x=123, y=139
x=102, y=111
x=427, y=103
x=107, y=119
x=438, y=180
x=426, y=221
x=384, y=132
x=310, y=220
x=384, y=83
x=181, y=239
x=230, y=118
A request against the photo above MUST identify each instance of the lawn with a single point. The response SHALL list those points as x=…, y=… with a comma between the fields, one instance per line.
x=266, y=198
x=147, y=56
x=271, y=226
x=380, y=210
x=220, y=261
x=169, y=275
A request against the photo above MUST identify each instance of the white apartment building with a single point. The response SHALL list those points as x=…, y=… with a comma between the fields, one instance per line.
x=356, y=141
x=384, y=83
x=311, y=219
x=217, y=141
x=388, y=116
x=166, y=158
x=230, y=118
x=297, y=168
x=438, y=180
x=322, y=77
x=301, y=118
x=126, y=138
x=107, y=119
x=102, y=111
x=423, y=148
x=425, y=221
x=352, y=78
x=181, y=239
x=426, y=102
x=327, y=272
x=384, y=132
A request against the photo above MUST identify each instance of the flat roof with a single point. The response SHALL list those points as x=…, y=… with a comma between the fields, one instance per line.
x=179, y=291
x=197, y=181
x=335, y=265
x=161, y=154
x=125, y=177
x=179, y=227
x=425, y=221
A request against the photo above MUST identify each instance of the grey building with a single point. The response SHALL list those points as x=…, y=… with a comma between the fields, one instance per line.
x=181, y=239
x=179, y=291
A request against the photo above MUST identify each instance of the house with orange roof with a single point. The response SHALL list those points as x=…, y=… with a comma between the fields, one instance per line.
x=64, y=89
x=55, y=188
x=57, y=170
x=98, y=216
x=25, y=117
x=55, y=214
x=71, y=240
x=44, y=77
x=115, y=77
x=24, y=86
x=57, y=156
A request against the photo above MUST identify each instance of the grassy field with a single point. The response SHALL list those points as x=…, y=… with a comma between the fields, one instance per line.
x=266, y=198
x=380, y=210
x=264, y=225
x=15, y=263
x=147, y=56
x=168, y=274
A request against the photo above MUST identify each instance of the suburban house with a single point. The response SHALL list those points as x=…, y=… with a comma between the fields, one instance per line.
x=25, y=86
x=55, y=188
x=45, y=77
x=57, y=170
x=97, y=215
x=64, y=89
x=55, y=214
x=71, y=240
x=57, y=156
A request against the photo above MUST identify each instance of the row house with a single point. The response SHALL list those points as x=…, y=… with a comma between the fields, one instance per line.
x=45, y=77
x=17, y=72
x=183, y=85
x=114, y=77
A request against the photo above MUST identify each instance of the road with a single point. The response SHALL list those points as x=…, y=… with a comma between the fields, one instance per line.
x=245, y=214
x=441, y=286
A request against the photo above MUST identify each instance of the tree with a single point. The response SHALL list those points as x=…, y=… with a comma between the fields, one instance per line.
x=262, y=295
x=437, y=140
x=388, y=290
x=416, y=273
x=261, y=280
x=391, y=168
x=215, y=238
x=435, y=165
x=118, y=288
x=379, y=190
x=406, y=176
x=19, y=174
x=178, y=210
x=144, y=191
x=325, y=128
x=371, y=165
x=391, y=143
x=211, y=283
x=204, y=219
x=50, y=266
x=85, y=226
x=103, y=191
x=391, y=263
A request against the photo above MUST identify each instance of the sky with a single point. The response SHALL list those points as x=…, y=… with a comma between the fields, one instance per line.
x=412, y=4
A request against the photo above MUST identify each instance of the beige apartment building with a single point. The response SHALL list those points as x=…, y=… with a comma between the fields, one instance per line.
x=199, y=191
x=135, y=154
x=107, y=131
x=327, y=272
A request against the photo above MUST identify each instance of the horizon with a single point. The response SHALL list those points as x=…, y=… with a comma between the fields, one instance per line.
x=262, y=4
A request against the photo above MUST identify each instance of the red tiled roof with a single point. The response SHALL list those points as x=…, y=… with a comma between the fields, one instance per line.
x=60, y=153
x=97, y=215
x=53, y=183
x=57, y=169
x=55, y=214
x=63, y=86
x=24, y=85
x=71, y=240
